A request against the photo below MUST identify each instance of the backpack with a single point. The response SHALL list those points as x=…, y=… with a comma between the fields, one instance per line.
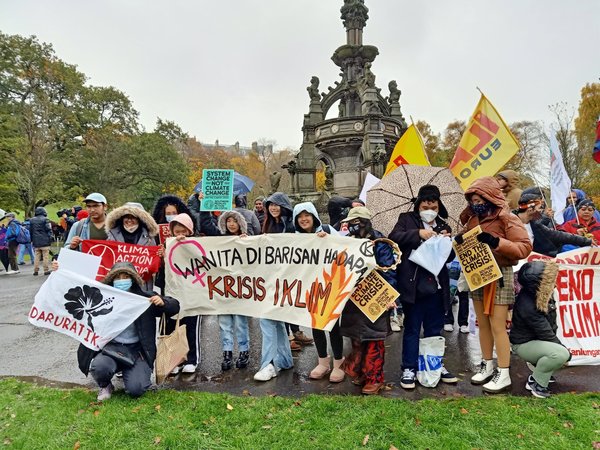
x=23, y=235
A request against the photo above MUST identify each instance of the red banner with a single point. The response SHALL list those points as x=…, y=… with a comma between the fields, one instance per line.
x=164, y=232
x=144, y=258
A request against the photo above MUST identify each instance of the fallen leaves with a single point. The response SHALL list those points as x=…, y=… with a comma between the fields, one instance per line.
x=157, y=408
x=157, y=440
x=97, y=413
x=229, y=407
x=76, y=445
x=464, y=411
x=365, y=440
x=568, y=425
x=595, y=444
x=392, y=447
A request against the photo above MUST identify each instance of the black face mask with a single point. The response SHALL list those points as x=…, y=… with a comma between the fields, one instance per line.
x=354, y=229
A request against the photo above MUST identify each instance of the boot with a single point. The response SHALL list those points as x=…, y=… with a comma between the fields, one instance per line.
x=295, y=347
x=485, y=372
x=242, y=361
x=227, y=360
x=302, y=339
x=337, y=374
x=322, y=369
x=500, y=381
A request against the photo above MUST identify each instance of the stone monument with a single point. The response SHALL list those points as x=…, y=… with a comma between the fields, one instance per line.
x=362, y=136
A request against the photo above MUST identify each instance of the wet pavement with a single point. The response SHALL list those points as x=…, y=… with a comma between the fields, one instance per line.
x=49, y=358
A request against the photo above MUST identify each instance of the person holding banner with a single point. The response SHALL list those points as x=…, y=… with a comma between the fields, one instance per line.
x=134, y=350
x=508, y=239
x=425, y=296
x=365, y=361
x=93, y=226
x=306, y=220
x=533, y=333
x=276, y=351
x=584, y=224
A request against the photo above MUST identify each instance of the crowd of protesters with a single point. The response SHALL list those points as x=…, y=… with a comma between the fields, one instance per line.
x=513, y=224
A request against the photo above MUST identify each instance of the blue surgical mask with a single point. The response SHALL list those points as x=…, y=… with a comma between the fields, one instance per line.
x=123, y=285
x=170, y=217
x=479, y=209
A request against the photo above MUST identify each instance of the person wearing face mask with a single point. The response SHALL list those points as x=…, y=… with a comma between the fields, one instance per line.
x=365, y=362
x=546, y=241
x=508, y=239
x=425, y=297
x=138, y=340
x=131, y=224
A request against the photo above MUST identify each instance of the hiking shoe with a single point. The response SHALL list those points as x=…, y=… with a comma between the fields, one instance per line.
x=408, y=379
x=485, y=372
x=227, y=360
x=449, y=327
x=536, y=389
x=189, y=368
x=448, y=377
x=105, y=393
x=242, y=361
x=266, y=373
x=302, y=339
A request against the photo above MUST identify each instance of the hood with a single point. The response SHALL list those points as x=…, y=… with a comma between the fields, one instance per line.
x=123, y=267
x=279, y=198
x=511, y=177
x=241, y=201
x=580, y=194
x=116, y=215
x=309, y=208
x=41, y=211
x=182, y=219
x=237, y=216
x=158, y=213
x=489, y=189
x=539, y=278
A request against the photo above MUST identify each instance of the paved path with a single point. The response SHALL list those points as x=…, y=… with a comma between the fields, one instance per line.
x=50, y=358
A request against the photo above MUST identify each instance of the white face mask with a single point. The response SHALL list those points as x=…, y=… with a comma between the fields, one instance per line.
x=428, y=215
x=131, y=229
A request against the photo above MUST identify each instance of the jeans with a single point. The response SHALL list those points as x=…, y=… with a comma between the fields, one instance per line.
x=25, y=248
x=275, y=345
x=427, y=311
x=227, y=322
x=463, y=311
x=547, y=357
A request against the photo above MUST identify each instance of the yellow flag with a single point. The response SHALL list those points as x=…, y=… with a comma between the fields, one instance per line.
x=408, y=150
x=485, y=147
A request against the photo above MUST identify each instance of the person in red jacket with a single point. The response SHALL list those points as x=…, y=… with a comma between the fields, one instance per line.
x=587, y=225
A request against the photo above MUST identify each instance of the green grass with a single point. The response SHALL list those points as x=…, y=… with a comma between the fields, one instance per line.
x=40, y=417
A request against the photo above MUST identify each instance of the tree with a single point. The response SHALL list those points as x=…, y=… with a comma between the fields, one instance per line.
x=450, y=139
x=431, y=141
x=532, y=161
x=588, y=114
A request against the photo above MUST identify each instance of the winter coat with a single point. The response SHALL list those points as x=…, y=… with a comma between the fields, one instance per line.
x=145, y=326
x=514, y=240
x=286, y=224
x=338, y=208
x=406, y=235
x=309, y=207
x=260, y=216
x=239, y=219
x=592, y=227
x=12, y=230
x=354, y=324
x=512, y=192
x=209, y=224
x=549, y=241
x=40, y=229
x=3, y=243
x=254, y=226
x=534, y=311
x=158, y=213
x=570, y=211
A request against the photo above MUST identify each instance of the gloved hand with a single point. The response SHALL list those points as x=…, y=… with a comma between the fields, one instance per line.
x=459, y=239
x=487, y=238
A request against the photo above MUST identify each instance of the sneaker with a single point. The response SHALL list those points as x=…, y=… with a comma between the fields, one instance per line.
x=47, y=273
x=395, y=323
x=266, y=373
x=189, y=368
x=302, y=339
x=530, y=379
x=408, y=379
x=35, y=274
x=105, y=393
x=464, y=329
x=485, y=372
x=449, y=327
x=535, y=389
x=21, y=263
x=10, y=272
x=176, y=370
x=447, y=377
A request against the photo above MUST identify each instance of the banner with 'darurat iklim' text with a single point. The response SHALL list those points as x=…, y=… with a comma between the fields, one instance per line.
x=296, y=278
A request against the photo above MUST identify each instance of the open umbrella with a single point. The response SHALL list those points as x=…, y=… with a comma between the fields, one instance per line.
x=394, y=194
x=241, y=184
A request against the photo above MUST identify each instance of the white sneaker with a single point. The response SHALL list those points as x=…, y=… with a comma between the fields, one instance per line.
x=10, y=272
x=464, y=329
x=499, y=382
x=395, y=323
x=266, y=373
x=189, y=368
x=106, y=392
x=485, y=372
x=449, y=327
x=176, y=370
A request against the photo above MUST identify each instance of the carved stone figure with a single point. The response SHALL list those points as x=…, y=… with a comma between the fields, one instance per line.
x=328, y=179
x=379, y=155
x=367, y=80
x=313, y=90
x=342, y=108
x=354, y=13
x=394, y=92
x=275, y=179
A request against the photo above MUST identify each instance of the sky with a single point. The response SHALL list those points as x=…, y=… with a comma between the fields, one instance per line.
x=237, y=70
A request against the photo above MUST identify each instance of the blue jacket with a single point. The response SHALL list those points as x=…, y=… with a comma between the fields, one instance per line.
x=12, y=230
x=570, y=212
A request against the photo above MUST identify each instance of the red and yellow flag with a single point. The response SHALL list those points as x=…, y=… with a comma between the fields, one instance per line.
x=408, y=150
x=485, y=147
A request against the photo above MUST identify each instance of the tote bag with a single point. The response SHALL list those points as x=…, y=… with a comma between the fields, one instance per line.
x=171, y=350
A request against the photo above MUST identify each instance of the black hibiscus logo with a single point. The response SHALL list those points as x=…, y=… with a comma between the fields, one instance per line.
x=87, y=300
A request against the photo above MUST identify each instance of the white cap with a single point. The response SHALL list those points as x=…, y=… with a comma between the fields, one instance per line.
x=96, y=197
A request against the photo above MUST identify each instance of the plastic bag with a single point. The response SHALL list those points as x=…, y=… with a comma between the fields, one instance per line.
x=431, y=353
x=432, y=254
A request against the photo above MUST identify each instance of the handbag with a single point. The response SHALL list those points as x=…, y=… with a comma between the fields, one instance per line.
x=171, y=349
x=120, y=353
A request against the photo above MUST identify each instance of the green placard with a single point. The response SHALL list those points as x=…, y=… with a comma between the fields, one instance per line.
x=217, y=187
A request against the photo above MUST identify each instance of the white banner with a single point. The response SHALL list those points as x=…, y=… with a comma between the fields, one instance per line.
x=85, y=309
x=560, y=183
x=295, y=278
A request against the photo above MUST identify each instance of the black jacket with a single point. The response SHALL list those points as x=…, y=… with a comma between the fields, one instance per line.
x=145, y=326
x=549, y=241
x=40, y=229
x=406, y=235
x=529, y=320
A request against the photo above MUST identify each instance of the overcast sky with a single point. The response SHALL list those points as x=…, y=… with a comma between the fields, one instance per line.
x=237, y=70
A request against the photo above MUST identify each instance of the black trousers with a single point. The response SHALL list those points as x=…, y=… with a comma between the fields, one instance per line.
x=463, y=311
